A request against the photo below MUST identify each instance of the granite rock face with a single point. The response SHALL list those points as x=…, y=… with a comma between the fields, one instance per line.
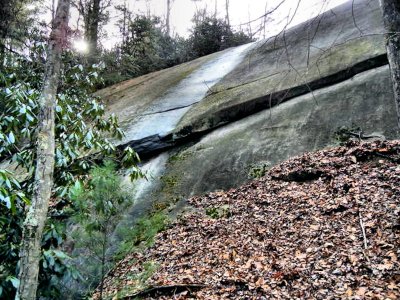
x=215, y=122
x=326, y=50
x=226, y=157
x=151, y=106
x=217, y=118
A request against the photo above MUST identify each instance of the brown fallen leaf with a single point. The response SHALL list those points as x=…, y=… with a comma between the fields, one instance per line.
x=279, y=240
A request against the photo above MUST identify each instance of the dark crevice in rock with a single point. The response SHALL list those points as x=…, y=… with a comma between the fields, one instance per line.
x=155, y=144
x=150, y=146
x=242, y=110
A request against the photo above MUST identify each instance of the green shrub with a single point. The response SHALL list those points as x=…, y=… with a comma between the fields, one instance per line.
x=218, y=212
x=258, y=170
x=344, y=133
x=100, y=204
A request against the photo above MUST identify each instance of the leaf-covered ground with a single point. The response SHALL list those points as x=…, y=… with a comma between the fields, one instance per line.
x=324, y=225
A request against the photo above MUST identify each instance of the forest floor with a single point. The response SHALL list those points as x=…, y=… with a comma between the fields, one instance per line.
x=324, y=225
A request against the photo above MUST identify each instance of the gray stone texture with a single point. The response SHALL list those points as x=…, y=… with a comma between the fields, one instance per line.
x=318, y=53
x=329, y=72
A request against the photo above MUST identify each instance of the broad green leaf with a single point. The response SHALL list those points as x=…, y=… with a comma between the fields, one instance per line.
x=14, y=281
x=11, y=138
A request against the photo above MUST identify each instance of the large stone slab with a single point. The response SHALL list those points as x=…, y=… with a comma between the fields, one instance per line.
x=131, y=98
x=149, y=107
x=317, y=77
x=326, y=50
x=223, y=158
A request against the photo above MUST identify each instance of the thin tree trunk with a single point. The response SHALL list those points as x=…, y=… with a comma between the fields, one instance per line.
x=391, y=18
x=265, y=20
x=53, y=9
x=7, y=16
x=227, y=12
x=92, y=21
x=103, y=262
x=168, y=16
x=124, y=26
x=37, y=212
x=94, y=25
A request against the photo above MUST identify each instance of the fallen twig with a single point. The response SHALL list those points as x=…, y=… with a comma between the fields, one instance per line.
x=363, y=231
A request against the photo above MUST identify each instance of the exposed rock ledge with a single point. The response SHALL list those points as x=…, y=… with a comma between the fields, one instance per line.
x=154, y=144
x=318, y=54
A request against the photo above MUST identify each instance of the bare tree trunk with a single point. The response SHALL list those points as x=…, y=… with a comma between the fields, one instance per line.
x=37, y=212
x=265, y=20
x=227, y=12
x=53, y=9
x=103, y=262
x=93, y=25
x=124, y=25
x=8, y=14
x=169, y=2
x=148, y=8
x=249, y=31
x=391, y=18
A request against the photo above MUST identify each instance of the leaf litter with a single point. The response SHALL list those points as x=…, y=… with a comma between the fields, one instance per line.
x=323, y=225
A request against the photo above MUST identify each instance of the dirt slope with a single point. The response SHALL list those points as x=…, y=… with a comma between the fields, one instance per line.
x=324, y=225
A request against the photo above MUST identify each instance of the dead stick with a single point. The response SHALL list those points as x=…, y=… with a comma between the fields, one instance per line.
x=363, y=231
